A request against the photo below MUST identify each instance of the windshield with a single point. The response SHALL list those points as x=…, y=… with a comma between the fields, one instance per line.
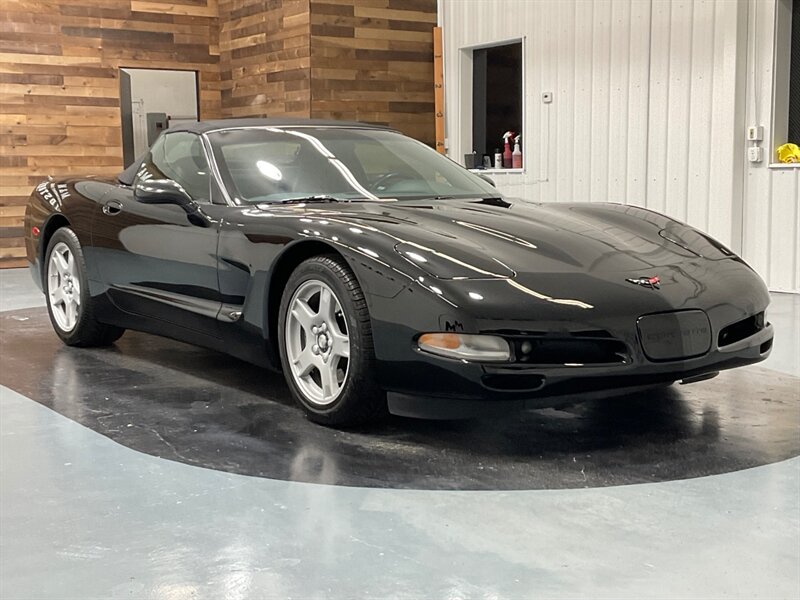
x=276, y=165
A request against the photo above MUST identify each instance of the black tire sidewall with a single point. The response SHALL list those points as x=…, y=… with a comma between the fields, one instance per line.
x=360, y=371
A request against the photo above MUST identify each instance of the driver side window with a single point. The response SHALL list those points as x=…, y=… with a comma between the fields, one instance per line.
x=179, y=156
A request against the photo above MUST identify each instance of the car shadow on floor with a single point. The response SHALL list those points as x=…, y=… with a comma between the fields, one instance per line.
x=203, y=408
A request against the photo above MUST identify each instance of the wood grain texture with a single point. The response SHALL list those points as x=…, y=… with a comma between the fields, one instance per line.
x=265, y=58
x=372, y=60
x=59, y=86
x=364, y=60
x=438, y=89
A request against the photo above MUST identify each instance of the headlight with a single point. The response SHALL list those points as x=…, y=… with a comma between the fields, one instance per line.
x=483, y=348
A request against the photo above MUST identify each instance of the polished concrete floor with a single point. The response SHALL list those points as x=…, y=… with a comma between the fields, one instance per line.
x=155, y=470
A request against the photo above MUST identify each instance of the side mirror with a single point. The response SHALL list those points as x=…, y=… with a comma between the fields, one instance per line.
x=486, y=178
x=162, y=191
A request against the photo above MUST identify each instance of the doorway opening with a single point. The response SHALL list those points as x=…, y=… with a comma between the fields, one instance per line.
x=152, y=100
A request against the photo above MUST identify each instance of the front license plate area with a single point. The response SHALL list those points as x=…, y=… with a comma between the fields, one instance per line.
x=675, y=335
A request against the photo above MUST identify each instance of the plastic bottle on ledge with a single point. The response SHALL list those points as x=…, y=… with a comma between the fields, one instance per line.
x=498, y=159
x=507, y=149
x=516, y=156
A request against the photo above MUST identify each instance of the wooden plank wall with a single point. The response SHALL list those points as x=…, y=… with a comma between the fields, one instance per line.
x=265, y=58
x=364, y=60
x=59, y=86
x=372, y=60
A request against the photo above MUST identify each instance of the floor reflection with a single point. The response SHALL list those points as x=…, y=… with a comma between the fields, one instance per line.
x=203, y=408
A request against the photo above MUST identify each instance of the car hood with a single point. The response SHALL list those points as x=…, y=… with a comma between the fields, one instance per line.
x=496, y=239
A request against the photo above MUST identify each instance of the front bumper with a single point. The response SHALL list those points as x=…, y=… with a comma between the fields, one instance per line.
x=435, y=388
x=707, y=316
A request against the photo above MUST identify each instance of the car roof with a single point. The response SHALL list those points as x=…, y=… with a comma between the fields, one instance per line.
x=217, y=124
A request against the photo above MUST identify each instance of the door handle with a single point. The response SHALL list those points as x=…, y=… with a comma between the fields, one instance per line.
x=112, y=207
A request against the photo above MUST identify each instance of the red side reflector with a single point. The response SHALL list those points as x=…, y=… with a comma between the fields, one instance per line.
x=35, y=231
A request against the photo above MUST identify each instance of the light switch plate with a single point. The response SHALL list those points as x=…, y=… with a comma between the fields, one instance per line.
x=755, y=154
x=755, y=133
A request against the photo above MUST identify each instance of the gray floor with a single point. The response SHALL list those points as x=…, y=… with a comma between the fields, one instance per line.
x=84, y=517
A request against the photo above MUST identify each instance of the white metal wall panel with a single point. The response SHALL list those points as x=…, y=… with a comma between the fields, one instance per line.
x=579, y=147
x=771, y=224
x=618, y=93
x=593, y=55
x=649, y=101
x=658, y=117
x=700, y=144
x=724, y=187
x=638, y=103
x=600, y=133
x=566, y=171
x=676, y=180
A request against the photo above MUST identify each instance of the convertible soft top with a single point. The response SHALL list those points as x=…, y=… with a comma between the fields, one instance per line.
x=127, y=176
x=206, y=126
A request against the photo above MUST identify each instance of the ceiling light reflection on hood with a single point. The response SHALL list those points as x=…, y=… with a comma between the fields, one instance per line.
x=416, y=257
x=369, y=252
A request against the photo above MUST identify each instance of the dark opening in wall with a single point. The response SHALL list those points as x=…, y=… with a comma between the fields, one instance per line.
x=793, y=134
x=496, y=97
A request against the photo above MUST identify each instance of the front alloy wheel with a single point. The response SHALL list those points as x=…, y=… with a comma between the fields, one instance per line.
x=325, y=338
x=317, y=342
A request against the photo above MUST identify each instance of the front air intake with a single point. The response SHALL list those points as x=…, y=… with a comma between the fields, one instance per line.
x=567, y=351
x=740, y=330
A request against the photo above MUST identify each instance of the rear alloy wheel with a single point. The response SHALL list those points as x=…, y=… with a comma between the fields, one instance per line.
x=69, y=304
x=63, y=287
x=326, y=344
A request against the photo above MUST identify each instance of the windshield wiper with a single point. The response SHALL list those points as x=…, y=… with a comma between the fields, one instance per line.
x=317, y=198
x=482, y=199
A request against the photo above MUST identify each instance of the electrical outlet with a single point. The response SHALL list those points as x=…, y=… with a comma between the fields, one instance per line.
x=755, y=154
x=755, y=133
x=547, y=97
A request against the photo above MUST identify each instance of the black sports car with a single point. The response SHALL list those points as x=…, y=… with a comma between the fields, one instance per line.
x=380, y=275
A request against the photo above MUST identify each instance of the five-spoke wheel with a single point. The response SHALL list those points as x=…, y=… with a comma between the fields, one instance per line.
x=317, y=342
x=71, y=307
x=63, y=287
x=325, y=339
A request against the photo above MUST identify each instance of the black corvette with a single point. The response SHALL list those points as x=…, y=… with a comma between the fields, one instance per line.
x=380, y=276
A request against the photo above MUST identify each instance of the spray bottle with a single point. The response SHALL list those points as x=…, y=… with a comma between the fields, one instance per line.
x=507, y=161
x=516, y=156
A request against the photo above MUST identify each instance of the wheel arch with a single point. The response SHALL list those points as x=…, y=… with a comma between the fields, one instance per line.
x=284, y=266
x=53, y=223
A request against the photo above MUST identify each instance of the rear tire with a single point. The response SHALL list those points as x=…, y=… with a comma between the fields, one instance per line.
x=66, y=289
x=326, y=347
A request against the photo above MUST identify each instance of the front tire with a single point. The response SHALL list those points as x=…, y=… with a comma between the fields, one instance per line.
x=69, y=303
x=326, y=347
